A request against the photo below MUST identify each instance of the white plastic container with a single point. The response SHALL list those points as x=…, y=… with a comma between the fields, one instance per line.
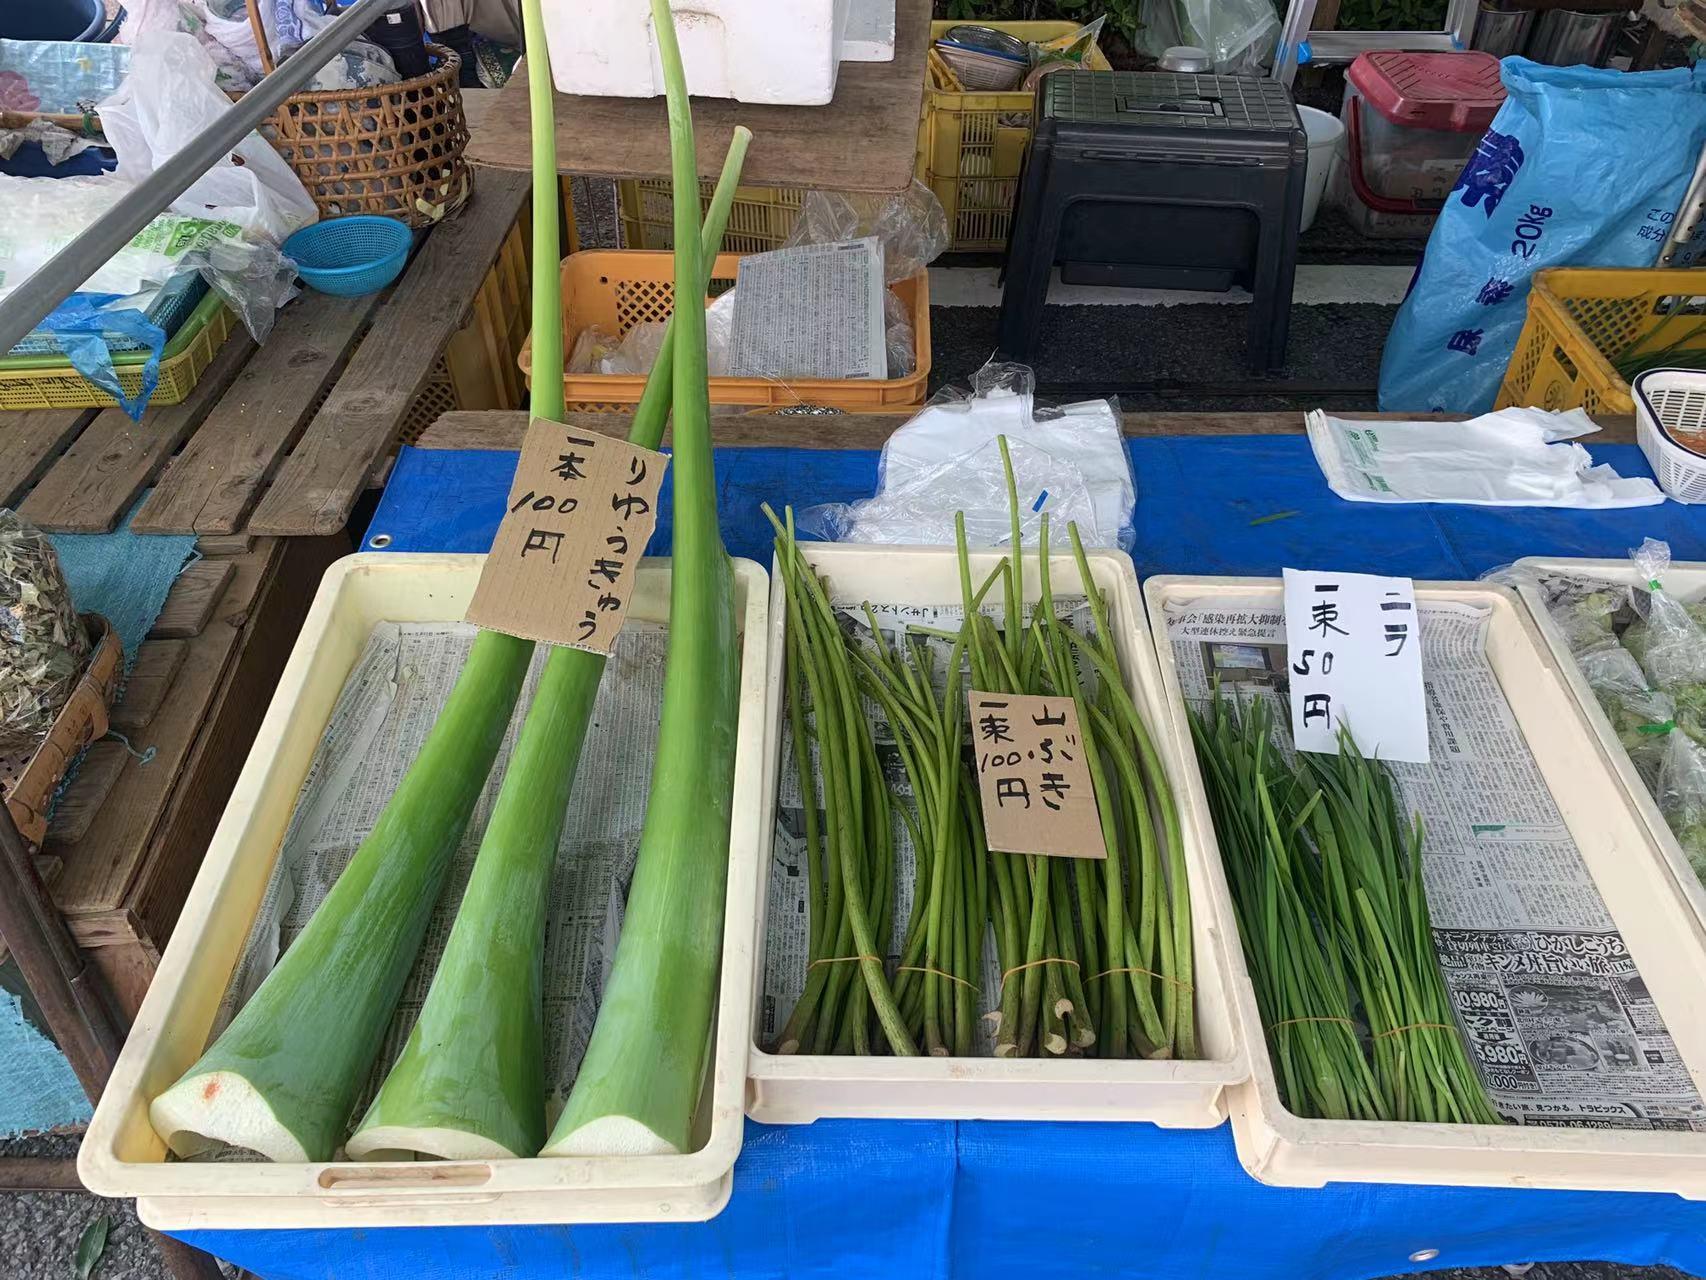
x=1671, y=402
x=751, y=50
x=797, y=1089
x=1411, y=121
x=1634, y=879
x=1687, y=582
x=1323, y=131
x=122, y=1156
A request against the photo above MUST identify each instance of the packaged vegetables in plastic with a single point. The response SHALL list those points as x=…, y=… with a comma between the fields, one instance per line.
x=43, y=644
x=1643, y=653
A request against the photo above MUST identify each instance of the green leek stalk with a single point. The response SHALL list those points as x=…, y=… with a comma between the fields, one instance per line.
x=644, y=1068
x=283, y=1077
x=469, y=1083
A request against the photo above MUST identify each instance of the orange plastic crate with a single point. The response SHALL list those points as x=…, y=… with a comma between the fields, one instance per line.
x=619, y=288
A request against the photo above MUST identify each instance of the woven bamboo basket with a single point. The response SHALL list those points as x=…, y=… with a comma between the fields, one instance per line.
x=395, y=150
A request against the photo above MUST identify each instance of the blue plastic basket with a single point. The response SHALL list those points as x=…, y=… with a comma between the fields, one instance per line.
x=174, y=305
x=350, y=256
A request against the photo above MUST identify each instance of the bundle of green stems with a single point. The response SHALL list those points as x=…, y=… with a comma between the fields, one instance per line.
x=1326, y=878
x=1094, y=959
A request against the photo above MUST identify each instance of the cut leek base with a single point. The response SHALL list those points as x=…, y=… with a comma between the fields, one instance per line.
x=598, y=841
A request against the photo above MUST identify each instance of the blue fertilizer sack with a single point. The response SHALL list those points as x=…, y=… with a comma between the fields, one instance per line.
x=1581, y=167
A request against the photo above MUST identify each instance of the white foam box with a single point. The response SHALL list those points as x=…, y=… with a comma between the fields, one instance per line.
x=1686, y=581
x=754, y=51
x=800, y=1088
x=121, y=1154
x=1276, y=1146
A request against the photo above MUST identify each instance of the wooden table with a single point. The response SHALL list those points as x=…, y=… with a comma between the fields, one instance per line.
x=499, y=430
x=282, y=439
x=865, y=140
x=127, y=836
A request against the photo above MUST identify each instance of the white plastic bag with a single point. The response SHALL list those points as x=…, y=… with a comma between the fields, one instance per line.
x=1070, y=463
x=246, y=205
x=1512, y=458
x=171, y=96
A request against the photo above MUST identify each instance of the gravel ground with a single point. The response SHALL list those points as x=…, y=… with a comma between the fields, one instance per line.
x=39, y=1231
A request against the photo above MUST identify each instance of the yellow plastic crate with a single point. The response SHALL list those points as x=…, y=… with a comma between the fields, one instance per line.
x=48, y=382
x=759, y=220
x=1580, y=319
x=619, y=288
x=479, y=368
x=971, y=145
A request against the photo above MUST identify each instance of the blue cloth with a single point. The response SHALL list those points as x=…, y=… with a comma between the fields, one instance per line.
x=42, y=1091
x=863, y=1200
x=123, y=576
x=1581, y=167
x=30, y=161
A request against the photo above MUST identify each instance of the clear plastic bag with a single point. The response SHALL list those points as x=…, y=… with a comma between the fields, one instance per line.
x=1239, y=35
x=1070, y=463
x=1681, y=794
x=43, y=644
x=899, y=336
x=598, y=350
x=1064, y=51
x=911, y=224
x=1668, y=642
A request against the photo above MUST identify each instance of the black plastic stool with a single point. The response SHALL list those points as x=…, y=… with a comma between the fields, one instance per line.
x=1160, y=180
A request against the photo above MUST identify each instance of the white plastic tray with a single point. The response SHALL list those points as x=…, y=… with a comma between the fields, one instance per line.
x=1688, y=583
x=1634, y=880
x=797, y=1089
x=121, y=1154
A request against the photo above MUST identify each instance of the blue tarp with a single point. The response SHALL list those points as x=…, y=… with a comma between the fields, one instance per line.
x=1197, y=500
x=867, y=1200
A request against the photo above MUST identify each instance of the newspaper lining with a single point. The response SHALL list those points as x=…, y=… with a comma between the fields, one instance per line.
x=811, y=311
x=1562, y=1028
x=787, y=919
x=389, y=703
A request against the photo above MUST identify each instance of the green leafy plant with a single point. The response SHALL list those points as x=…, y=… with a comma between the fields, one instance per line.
x=1392, y=15
x=1122, y=14
x=91, y=1246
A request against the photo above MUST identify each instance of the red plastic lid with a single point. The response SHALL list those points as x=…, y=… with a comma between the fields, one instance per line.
x=1458, y=92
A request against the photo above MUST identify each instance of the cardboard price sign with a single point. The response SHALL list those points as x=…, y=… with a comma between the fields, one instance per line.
x=581, y=510
x=1032, y=776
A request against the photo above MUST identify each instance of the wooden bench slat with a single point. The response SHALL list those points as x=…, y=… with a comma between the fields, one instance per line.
x=31, y=442
x=212, y=485
x=191, y=601
x=316, y=487
x=109, y=465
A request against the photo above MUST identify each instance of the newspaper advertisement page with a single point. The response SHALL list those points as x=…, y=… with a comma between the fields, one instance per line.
x=787, y=935
x=388, y=705
x=1560, y=1023
x=812, y=311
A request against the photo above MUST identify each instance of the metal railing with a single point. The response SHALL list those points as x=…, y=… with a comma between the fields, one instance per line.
x=65, y=272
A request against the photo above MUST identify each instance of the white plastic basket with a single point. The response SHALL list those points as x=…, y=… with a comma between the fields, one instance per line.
x=1669, y=402
x=1687, y=582
x=122, y=1156
x=800, y=1088
x=1282, y=1148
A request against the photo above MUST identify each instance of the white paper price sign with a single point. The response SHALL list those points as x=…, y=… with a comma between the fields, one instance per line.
x=1354, y=659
